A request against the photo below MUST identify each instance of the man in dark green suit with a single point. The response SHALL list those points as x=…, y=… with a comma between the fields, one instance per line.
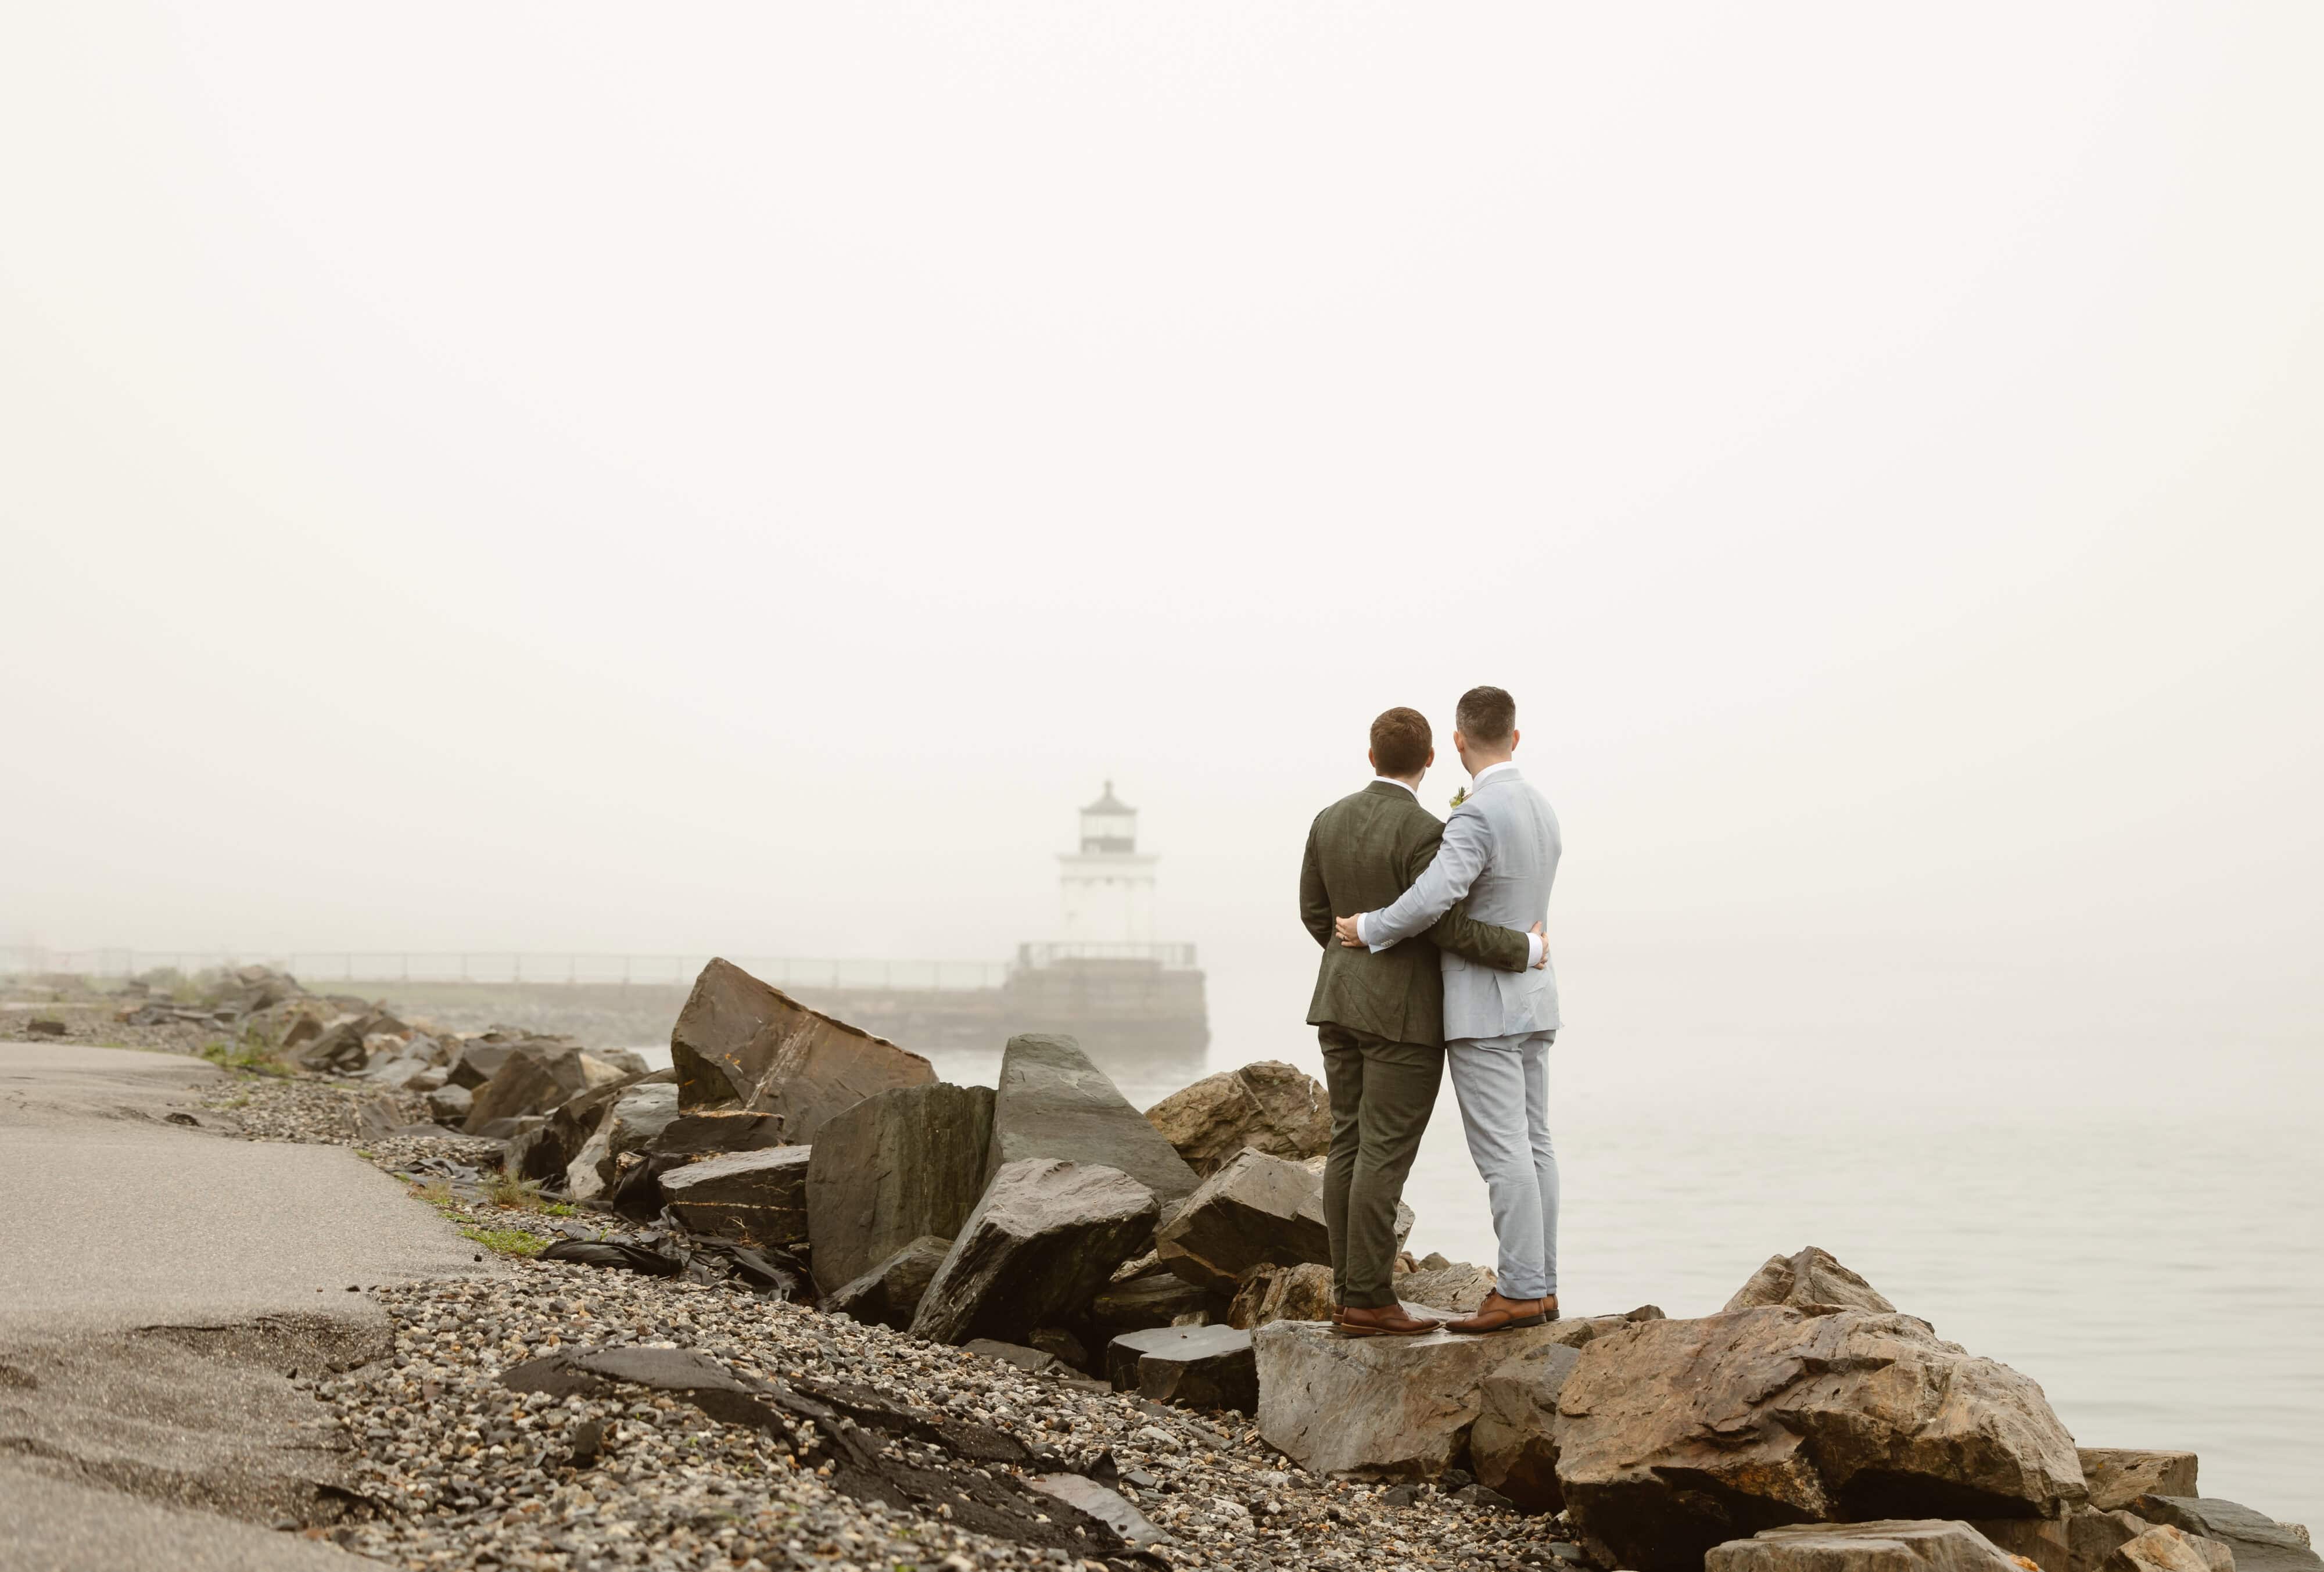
x=1381, y=1016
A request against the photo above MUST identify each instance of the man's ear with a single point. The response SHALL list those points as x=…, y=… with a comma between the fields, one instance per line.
x=1516, y=737
x=1432, y=759
x=1370, y=758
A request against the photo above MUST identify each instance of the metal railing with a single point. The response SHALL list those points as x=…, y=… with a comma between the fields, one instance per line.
x=1176, y=956
x=320, y=968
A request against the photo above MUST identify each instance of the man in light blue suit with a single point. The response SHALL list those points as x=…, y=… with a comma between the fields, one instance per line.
x=1500, y=852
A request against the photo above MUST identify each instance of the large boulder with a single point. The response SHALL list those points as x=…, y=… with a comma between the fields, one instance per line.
x=1677, y=1436
x=2260, y=1543
x=2169, y=1549
x=1191, y=1366
x=635, y=1115
x=759, y=1197
x=2080, y=1541
x=1041, y=1244
x=1922, y=1545
x=2118, y=1475
x=1375, y=1407
x=1256, y=1211
x=1514, y=1446
x=1811, y=1277
x=890, y=1292
x=534, y=1080
x=898, y=1166
x=480, y=1057
x=740, y=1043
x=1052, y=1103
x=1270, y=1107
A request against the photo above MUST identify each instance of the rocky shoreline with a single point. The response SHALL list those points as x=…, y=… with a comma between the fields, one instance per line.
x=793, y=1302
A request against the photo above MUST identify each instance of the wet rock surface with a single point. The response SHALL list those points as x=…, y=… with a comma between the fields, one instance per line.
x=759, y=1197
x=1044, y=1239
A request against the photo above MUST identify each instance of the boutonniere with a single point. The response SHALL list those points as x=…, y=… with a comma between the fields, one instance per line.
x=1460, y=796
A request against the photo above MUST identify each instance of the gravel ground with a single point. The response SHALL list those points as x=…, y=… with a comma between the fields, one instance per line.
x=458, y=1471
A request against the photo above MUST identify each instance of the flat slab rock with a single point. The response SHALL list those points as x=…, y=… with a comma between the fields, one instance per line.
x=900, y=1165
x=740, y=1042
x=1375, y=1407
x=1045, y=1237
x=759, y=1197
x=1677, y=1436
x=1208, y=1367
x=1892, y=1544
x=1052, y=1103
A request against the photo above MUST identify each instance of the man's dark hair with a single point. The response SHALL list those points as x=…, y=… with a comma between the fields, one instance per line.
x=1401, y=742
x=1486, y=715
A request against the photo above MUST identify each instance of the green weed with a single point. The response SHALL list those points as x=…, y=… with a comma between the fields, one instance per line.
x=507, y=1241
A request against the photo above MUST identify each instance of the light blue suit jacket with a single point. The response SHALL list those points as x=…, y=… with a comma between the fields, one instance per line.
x=1500, y=851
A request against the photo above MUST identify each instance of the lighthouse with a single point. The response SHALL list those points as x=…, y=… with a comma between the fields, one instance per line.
x=1108, y=884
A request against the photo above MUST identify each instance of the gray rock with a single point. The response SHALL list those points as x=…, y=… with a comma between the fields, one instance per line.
x=1377, y=1407
x=2169, y=1549
x=450, y=1104
x=2119, y=1476
x=897, y=1166
x=1060, y=1345
x=1256, y=1211
x=1811, y=1277
x=1041, y=1244
x=1107, y=1506
x=1052, y=1103
x=547, y=1154
x=2081, y=1541
x=1514, y=1446
x=1032, y=1361
x=2260, y=1543
x=890, y=1292
x=638, y=1114
x=1893, y=1545
x=1677, y=1436
x=701, y=1132
x=1270, y=1107
x=1191, y=1366
x=537, y=1080
x=740, y=1043
x=759, y=1197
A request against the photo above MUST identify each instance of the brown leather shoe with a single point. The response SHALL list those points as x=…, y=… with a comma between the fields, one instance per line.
x=1387, y=1321
x=1506, y=1315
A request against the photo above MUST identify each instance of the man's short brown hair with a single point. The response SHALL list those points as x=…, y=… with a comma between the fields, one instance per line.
x=1486, y=715
x=1400, y=741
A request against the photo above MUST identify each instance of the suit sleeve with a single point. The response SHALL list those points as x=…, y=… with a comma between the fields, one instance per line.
x=1315, y=902
x=1460, y=859
x=1485, y=943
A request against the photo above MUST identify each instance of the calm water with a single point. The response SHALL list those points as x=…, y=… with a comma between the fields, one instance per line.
x=2137, y=1225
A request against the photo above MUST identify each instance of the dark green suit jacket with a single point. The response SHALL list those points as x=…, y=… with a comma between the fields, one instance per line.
x=1362, y=853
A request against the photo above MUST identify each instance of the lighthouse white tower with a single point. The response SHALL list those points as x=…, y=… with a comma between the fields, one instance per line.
x=1108, y=886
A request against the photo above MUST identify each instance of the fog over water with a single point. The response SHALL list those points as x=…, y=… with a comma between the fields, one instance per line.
x=583, y=479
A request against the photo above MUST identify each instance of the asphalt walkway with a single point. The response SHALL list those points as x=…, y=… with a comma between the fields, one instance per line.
x=160, y=1289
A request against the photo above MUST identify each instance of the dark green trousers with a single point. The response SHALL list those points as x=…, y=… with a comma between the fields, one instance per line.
x=1382, y=1093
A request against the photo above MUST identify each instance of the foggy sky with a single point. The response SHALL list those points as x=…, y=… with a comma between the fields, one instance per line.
x=562, y=477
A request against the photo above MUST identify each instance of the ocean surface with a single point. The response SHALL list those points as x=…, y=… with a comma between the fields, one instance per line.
x=2135, y=1220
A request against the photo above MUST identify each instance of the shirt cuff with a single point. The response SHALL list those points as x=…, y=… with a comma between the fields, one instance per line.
x=1363, y=920
x=1534, y=942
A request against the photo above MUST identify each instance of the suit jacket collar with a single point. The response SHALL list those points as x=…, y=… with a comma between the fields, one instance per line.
x=1494, y=774
x=1382, y=787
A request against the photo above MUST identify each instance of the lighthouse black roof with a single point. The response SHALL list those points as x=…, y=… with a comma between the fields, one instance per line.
x=1109, y=803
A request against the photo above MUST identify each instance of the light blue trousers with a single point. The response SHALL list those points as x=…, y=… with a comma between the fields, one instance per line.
x=1503, y=1085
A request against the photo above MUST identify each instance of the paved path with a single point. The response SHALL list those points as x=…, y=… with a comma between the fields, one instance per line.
x=159, y=1286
